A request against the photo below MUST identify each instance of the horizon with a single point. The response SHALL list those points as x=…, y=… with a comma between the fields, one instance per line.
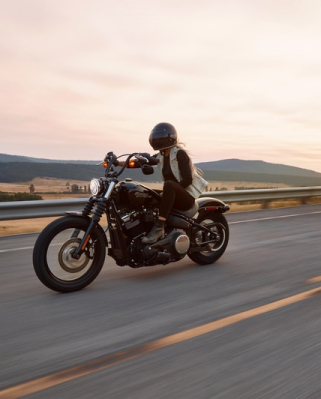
x=217, y=160
x=238, y=79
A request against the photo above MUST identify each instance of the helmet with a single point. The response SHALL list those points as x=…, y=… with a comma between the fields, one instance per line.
x=163, y=136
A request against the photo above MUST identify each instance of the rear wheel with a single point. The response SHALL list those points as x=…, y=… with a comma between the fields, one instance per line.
x=52, y=254
x=219, y=235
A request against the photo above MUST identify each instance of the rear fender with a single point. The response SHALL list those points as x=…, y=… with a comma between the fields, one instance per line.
x=208, y=204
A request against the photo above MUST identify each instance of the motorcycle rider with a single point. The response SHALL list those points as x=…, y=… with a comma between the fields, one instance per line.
x=182, y=180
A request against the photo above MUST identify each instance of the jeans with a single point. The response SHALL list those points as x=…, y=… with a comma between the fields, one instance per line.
x=174, y=196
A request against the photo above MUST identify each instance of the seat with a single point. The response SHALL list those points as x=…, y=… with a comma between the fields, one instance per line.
x=190, y=212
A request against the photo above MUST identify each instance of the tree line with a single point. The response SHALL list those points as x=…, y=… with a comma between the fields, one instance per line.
x=11, y=172
x=5, y=197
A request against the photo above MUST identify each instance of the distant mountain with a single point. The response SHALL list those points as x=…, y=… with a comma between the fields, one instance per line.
x=224, y=165
x=14, y=172
x=259, y=171
x=239, y=165
x=14, y=168
x=20, y=158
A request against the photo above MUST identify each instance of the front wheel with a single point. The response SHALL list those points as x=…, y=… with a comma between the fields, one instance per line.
x=206, y=253
x=52, y=254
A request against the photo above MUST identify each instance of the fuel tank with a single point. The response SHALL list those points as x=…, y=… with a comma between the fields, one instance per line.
x=130, y=193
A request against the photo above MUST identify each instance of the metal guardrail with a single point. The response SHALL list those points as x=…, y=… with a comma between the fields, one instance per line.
x=40, y=209
x=266, y=195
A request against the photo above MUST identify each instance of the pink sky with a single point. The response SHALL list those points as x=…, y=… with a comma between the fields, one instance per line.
x=238, y=78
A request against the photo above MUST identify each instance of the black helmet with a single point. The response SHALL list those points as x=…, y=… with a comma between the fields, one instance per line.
x=163, y=136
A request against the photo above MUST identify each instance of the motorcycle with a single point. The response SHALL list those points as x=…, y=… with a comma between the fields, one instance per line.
x=70, y=252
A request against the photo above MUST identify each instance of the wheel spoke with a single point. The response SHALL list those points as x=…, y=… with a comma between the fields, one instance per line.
x=218, y=231
x=60, y=262
x=210, y=240
x=53, y=259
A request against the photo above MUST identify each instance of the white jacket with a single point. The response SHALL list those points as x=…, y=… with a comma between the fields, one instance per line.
x=198, y=184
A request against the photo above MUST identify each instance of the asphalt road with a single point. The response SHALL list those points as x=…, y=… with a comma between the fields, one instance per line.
x=247, y=327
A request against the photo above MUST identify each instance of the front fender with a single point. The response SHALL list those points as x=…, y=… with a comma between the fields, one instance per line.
x=211, y=204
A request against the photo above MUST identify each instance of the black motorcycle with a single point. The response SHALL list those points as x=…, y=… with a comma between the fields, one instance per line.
x=70, y=252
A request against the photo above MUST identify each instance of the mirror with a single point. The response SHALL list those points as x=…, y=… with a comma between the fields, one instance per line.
x=147, y=169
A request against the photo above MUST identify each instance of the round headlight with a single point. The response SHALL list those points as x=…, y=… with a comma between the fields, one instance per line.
x=94, y=186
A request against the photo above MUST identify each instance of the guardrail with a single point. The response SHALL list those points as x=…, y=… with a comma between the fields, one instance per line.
x=265, y=196
x=41, y=209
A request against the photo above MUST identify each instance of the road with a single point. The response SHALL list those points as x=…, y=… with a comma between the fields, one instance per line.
x=247, y=327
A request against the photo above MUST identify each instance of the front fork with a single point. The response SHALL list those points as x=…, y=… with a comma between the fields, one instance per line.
x=100, y=210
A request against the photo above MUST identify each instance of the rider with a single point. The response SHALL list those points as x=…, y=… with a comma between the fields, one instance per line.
x=182, y=180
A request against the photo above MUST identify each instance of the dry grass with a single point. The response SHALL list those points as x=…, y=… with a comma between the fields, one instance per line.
x=57, y=189
x=56, y=186
x=23, y=226
x=42, y=186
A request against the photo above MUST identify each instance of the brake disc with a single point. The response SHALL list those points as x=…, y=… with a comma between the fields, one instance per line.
x=67, y=262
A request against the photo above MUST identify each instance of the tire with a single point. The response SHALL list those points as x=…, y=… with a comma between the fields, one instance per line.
x=52, y=260
x=212, y=252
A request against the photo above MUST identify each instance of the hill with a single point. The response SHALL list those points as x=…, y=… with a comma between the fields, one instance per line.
x=20, y=158
x=11, y=172
x=291, y=180
x=15, y=168
x=239, y=165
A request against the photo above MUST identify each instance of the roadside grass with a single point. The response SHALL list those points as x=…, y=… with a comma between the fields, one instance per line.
x=23, y=226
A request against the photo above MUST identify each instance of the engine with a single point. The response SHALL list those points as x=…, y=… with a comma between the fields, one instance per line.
x=138, y=209
x=138, y=221
x=172, y=247
x=175, y=245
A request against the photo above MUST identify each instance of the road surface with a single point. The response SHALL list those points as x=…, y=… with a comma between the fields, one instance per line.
x=248, y=326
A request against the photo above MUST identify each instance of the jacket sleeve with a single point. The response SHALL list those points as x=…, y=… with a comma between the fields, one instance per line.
x=184, y=166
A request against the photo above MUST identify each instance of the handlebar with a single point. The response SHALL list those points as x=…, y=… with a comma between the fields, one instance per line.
x=134, y=160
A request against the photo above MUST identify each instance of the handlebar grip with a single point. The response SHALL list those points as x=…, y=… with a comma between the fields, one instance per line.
x=151, y=160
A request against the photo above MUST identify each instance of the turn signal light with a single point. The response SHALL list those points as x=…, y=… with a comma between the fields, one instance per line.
x=132, y=164
x=105, y=164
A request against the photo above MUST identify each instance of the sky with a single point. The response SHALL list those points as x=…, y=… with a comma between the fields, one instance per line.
x=237, y=78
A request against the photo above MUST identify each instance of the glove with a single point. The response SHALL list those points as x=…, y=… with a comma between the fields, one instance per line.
x=151, y=160
x=142, y=158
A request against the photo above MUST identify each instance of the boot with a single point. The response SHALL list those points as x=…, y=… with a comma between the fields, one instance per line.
x=156, y=233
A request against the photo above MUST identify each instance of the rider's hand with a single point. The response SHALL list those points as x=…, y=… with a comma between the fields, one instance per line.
x=145, y=154
x=142, y=158
x=151, y=160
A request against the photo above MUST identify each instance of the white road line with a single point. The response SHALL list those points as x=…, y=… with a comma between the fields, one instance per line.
x=15, y=249
x=274, y=217
x=22, y=248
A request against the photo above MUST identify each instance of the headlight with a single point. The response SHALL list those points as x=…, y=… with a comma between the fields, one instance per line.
x=95, y=186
